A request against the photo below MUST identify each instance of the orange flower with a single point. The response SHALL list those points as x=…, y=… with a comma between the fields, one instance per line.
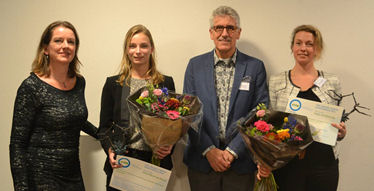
x=283, y=134
x=272, y=136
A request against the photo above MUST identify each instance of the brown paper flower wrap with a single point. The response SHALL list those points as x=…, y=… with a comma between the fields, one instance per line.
x=157, y=128
x=161, y=131
x=270, y=149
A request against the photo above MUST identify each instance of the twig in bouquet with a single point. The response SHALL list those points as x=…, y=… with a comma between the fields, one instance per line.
x=356, y=106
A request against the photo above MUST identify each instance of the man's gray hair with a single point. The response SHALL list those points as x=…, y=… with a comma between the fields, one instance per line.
x=223, y=11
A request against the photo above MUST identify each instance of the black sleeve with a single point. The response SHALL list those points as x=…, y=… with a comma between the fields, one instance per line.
x=169, y=83
x=90, y=129
x=23, y=115
x=106, y=112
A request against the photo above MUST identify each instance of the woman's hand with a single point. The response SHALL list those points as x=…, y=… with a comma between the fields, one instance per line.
x=262, y=171
x=163, y=151
x=342, y=130
x=112, y=161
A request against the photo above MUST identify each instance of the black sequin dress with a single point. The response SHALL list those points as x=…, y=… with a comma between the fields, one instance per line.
x=44, y=143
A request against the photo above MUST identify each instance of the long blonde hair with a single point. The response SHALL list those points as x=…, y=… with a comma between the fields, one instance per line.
x=126, y=65
x=40, y=64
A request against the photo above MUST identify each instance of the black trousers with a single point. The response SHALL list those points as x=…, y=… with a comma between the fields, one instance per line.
x=319, y=170
x=220, y=181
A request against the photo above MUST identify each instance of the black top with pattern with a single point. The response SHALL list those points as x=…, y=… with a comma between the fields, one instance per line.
x=44, y=143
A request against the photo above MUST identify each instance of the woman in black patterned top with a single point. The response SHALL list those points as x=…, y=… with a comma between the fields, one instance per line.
x=138, y=67
x=49, y=113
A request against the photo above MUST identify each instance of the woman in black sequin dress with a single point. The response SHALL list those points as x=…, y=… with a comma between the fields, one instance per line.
x=49, y=113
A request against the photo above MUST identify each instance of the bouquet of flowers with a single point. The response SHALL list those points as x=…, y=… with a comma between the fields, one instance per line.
x=163, y=116
x=274, y=138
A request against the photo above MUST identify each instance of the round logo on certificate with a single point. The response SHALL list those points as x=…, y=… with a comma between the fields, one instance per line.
x=124, y=162
x=295, y=105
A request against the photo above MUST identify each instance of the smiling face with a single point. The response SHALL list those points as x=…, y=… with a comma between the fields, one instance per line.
x=62, y=46
x=303, y=48
x=140, y=49
x=224, y=40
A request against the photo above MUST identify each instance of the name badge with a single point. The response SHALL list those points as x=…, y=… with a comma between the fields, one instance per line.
x=320, y=81
x=245, y=84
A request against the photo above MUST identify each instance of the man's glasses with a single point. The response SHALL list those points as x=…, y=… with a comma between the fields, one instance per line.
x=229, y=29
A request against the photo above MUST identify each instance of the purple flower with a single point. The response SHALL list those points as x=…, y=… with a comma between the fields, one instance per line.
x=165, y=90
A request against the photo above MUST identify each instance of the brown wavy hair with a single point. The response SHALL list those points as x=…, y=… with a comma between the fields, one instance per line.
x=126, y=65
x=40, y=64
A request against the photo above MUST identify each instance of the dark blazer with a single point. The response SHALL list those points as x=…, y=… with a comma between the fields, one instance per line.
x=199, y=80
x=114, y=107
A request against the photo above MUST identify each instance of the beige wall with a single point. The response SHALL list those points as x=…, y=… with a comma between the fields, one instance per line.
x=180, y=30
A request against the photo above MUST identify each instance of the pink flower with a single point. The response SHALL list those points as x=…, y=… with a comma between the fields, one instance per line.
x=155, y=108
x=145, y=93
x=162, y=107
x=172, y=114
x=262, y=126
x=260, y=113
x=157, y=92
x=271, y=127
x=297, y=138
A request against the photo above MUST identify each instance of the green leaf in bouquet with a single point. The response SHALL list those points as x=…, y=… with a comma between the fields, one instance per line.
x=139, y=101
x=253, y=132
x=147, y=105
x=266, y=184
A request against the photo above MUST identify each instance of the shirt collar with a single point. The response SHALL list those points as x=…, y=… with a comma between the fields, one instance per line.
x=226, y=61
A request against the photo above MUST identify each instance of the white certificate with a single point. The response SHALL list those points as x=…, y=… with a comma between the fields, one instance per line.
x=320, y=116
x=137, y=175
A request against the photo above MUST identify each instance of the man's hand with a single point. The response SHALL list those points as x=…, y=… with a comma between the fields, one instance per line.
x=228, y=156
x=217, y=160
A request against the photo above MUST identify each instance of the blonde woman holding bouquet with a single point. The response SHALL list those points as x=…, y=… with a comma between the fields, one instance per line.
x=318, y=168
x=138, y=68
